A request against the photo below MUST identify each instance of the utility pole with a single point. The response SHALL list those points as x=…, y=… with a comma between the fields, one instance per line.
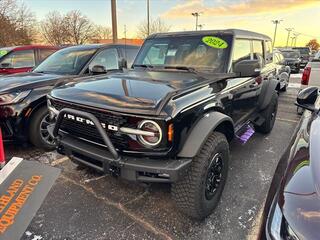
x=196, y=15
x=148, y=16
x=289, y=31
x=292, y=41
x=276, y=22
x=114, y=21
x=295, y=40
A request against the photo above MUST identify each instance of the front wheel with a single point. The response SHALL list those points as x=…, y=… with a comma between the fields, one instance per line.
x=269, y=114
x=198, y=193
x=38, y=133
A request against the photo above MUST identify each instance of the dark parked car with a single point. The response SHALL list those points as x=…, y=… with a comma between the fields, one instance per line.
x=292, y=59
x=170, y=119
x=23, y=105
x=23, y=58
x=292, y=209
x=305, y=53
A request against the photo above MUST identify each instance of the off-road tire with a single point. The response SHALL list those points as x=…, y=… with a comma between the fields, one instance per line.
x=269, y=114
x=189, y=192
x=34, y=129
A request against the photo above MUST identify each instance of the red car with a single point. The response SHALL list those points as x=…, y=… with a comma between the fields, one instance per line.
x=23, y=58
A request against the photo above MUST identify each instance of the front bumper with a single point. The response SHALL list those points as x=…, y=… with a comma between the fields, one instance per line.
x=106, y=158
x=126, y=167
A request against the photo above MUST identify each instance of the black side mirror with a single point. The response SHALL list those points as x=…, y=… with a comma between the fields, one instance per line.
x=247, y=68
x=123, y=63
x=307, y=98
x=98, y=69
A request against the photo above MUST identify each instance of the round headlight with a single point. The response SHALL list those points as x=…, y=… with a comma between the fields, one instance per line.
x=152, y=127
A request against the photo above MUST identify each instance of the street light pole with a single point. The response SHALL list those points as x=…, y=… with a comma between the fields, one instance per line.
x=196, y=15
x=114, y=21
x=276, y=22
x=289, y=31
x=148, y=16
x=292, y=41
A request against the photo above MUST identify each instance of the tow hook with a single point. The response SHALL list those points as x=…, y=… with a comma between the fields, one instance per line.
x=115, y=171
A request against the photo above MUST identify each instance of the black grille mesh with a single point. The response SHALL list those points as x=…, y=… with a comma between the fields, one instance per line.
x=89, y=132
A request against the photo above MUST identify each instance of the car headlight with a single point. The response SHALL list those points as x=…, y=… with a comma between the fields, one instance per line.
x=52, y=111
x=155, y=136
x=15, y=97
x=276, y=222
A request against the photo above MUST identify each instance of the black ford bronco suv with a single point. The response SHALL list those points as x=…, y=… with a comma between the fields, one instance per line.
x=171, y=117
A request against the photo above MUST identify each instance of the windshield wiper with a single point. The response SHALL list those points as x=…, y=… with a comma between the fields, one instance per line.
x=185, y=68
x=143, y=65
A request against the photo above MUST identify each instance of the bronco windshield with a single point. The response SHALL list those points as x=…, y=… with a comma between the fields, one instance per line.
x=201, y=52
x=66, y=61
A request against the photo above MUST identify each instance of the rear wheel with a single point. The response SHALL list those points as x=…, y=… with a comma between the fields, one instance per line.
x=38, y=133
x=269, y=114
x=198, y=193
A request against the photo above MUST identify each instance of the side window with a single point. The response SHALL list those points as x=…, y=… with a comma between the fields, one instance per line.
x=258, y=51
x=268, y=51
x=130, y=54
x=242, y=51
x=20, y=59
x=107, y=58
x=44, y=53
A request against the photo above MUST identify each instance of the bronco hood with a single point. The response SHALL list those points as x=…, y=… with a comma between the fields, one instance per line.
x=24, y=81
x=144, y=92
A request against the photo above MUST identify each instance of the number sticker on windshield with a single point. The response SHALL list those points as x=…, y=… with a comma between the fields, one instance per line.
x=214, y=42
x=3, y=52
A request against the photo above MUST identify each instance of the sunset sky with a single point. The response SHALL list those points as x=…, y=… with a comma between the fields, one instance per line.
x=256, y=15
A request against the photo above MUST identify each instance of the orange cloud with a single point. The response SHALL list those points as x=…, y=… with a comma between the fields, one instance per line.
x=250, y=7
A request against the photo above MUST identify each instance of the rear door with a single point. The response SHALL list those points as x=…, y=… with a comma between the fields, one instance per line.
x=18, y=61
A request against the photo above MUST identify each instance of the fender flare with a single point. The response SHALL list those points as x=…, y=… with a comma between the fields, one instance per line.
x=201, y=131
x=267, y=93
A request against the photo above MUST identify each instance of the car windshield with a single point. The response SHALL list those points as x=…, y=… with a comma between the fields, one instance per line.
x=4, y=51
x=66, y=61
x=291, y=54
x=201, y=52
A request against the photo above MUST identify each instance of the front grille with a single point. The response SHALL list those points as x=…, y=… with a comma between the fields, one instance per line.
x=89, y=132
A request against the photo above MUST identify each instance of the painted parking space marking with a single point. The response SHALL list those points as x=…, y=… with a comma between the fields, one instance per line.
x=294, y=85
x=287, y=120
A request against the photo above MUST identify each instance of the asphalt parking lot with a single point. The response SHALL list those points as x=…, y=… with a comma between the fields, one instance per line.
x=86, y=205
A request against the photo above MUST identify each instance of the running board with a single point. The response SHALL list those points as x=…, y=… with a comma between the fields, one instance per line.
x=245, y=133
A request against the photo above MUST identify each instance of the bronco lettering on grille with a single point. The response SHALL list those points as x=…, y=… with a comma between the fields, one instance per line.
x=89, y=122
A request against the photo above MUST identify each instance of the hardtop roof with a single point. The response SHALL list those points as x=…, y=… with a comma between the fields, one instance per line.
x=236, y=32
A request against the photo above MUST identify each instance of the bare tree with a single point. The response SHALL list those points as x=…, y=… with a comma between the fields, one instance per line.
x=54, y=29
x=102, y=32
x=156, y=25
x=16, y=23
x=79, y=28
